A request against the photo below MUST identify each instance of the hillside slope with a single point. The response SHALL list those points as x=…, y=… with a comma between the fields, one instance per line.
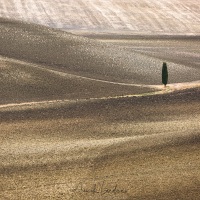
x=137, y=16
x=84, y=57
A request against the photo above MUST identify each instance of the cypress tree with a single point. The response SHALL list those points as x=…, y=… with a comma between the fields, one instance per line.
x=164, y=74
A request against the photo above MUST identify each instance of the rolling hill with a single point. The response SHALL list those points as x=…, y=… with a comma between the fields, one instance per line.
x=88, y=118
x=84, y=57
x=147, y=146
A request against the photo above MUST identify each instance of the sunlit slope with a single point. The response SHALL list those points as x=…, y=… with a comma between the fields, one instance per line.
x=84, y=57
x=139, y=16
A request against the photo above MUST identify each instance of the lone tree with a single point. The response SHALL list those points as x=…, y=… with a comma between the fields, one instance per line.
x=164, y=74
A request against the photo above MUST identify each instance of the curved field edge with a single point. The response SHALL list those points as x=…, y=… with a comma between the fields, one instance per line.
x=26, y=82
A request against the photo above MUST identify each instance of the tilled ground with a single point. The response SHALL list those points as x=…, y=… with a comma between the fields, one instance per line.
x=130, y=148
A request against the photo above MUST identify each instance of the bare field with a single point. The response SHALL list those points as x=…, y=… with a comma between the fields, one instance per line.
x=130, y=148
x=133, y=16
x=84, y=57
x=85, y=119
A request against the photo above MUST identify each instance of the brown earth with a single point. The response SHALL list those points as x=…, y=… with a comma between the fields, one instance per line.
x=145, y=147
x=72, y=132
